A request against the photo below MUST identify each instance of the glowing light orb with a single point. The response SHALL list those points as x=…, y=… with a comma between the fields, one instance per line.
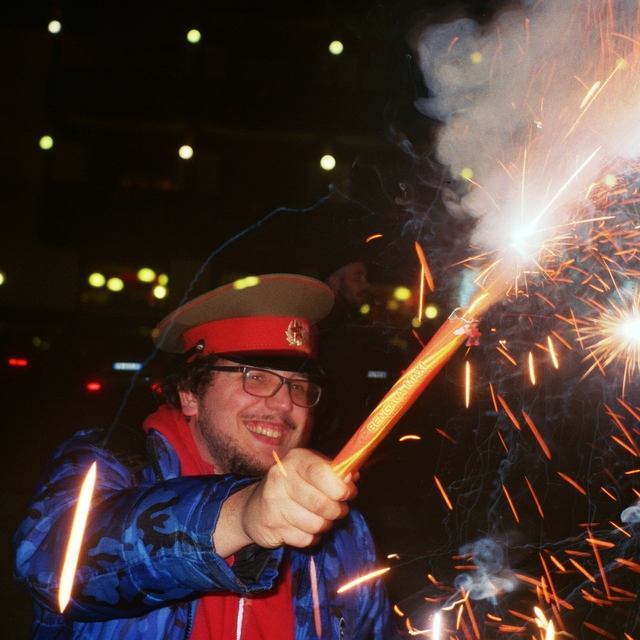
x=632, y=330
x=54, y=26
x=476, y=57
x=160, y=292
x=146, y=275
x=46, y=143
x=526, y=241
x=621, y=63
x=402, y=293
x=185, y=152
x=610, y=180
x=1, y=277
x=416, y=323
x=615, y=337
x=115, y=284
x=96, y=280
x=327, y=162
x=466, y=173
x=431, y=311
x=245, y=283
x=163, y=279
x=365, y=308
x=336, y=48
x=194, y=36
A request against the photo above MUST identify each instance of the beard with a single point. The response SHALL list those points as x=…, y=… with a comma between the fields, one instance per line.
x=226, y=452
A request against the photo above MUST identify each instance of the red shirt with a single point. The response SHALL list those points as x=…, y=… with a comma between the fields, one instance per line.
x=227, y=616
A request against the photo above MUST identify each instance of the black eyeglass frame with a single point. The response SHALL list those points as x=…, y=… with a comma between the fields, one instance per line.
x=283, y=380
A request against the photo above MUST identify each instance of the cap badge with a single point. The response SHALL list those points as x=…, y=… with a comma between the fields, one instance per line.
x=296, y=333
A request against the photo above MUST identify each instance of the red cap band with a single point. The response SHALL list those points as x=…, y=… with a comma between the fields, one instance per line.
x=276, y=335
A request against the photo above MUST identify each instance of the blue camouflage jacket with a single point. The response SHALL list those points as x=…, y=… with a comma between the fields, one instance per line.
x=148, y=553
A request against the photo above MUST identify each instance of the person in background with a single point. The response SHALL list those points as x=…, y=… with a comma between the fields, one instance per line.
x=349, y=282
x=360, y=362
x=217, y=522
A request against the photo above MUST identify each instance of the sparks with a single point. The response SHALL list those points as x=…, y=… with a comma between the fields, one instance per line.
x=444, y=494
x=614, y=336
x=315, y=597
x=467, y=383
x=361, y=579
x=552, y=352
x=75, y=539
x=532, y=371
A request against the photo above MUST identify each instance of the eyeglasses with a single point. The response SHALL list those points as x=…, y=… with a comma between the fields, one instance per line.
x=265, y=384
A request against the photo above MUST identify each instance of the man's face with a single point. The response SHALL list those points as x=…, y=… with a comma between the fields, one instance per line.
x=238, y=432
x=352, y=284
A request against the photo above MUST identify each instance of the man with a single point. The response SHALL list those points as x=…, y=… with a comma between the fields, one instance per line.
x=358, y=356
x=210, y=538
x=350, y=284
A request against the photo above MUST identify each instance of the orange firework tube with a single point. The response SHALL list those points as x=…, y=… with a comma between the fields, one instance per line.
x=401, y=396
x=454, y=331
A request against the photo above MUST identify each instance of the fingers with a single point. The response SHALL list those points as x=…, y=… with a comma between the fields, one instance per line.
x=297, y=502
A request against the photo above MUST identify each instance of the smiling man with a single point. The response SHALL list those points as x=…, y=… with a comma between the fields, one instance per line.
x=200, y=534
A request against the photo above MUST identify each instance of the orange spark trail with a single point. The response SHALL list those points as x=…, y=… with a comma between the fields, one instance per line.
x=630, y=564
x=603, y=575
x=593, y=627
x=493, y=398
x=467, y=383
x=444, y=495
x=421, y=296
x=582, y=570
x=361, y=579
x=624, y=445
x=548, y=574
x=315, y=597
x=515, y=513
x=622, y=428
x=425, y=267
x=573, y=483
x=630, y=409
x=552, y=352
x=537, y=435
x=447, y=436
x=507, y=356
x=557, y=562
x=75, y=539
x=535, y=497
x=474, y=624
x=532, y=372
x=279, y=463
x=564, y=342
x=508, y=412
x=620, y=529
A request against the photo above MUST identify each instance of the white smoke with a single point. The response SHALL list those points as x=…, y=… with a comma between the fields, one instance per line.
x=491, y=578
x=510, y=98
x=631, y=515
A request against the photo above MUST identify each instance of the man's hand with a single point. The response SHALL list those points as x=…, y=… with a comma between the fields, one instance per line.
x=291, y=505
